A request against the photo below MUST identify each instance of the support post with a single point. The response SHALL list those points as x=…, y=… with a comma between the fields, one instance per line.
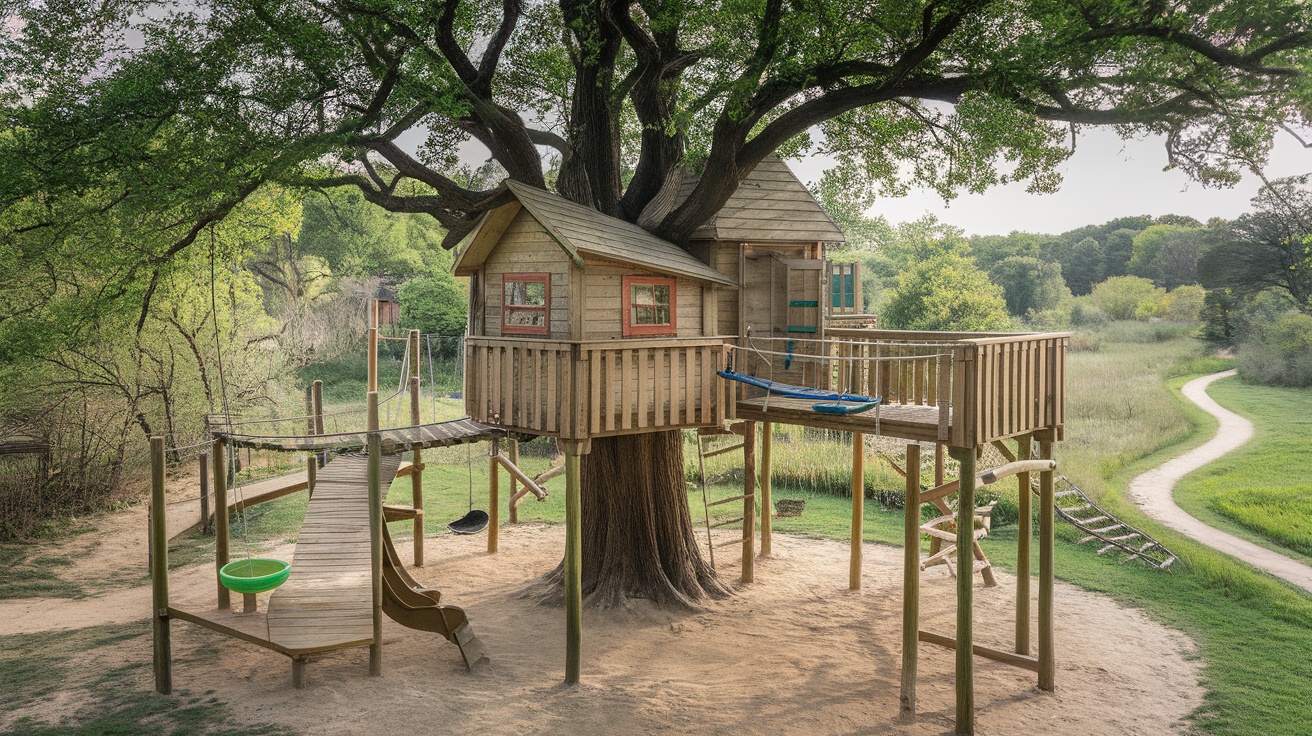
x=858, y=507
x=1047, y=654
x=417, y=468
x=374, y=470
x=910, y=583
x=938, y=464
x=512, y=506
x=574, y=450
x=159, y=571
x=749, y=501
x=206, y=524
x=372, y=362
x=767, y=507
x=317, y=388
x=220, y=520
x=965, y=579
x=1024, y=533
x=311, y=462
x=493, y=497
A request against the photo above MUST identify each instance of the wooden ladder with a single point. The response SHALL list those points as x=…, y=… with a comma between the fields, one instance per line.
x=707, y=505
x=1097, y=524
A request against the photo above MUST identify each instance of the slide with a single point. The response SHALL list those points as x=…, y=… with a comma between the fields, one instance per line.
x=413, y=606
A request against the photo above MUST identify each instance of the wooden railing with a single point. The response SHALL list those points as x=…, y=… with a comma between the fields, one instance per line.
x=576, y=390
x=985, y=386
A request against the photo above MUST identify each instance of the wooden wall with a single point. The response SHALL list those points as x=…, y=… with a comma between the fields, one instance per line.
x=603, y=301
x=526, y=247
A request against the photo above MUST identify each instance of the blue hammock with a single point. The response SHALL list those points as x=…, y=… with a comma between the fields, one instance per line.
x=794, y=392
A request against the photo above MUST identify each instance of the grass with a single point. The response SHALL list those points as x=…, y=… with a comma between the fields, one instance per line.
x=24, y=574
x=1262, y=488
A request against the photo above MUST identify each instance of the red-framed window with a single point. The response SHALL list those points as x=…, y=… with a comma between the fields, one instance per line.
x=525, y=303
x=649, y=305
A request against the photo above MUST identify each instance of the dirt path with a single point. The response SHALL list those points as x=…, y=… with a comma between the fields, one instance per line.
x=1152, y=490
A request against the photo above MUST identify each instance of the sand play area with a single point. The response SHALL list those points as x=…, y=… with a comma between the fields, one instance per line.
x=795, y=652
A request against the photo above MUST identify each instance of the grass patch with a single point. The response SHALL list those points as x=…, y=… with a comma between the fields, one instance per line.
x=26, y=574
x=1262, y=487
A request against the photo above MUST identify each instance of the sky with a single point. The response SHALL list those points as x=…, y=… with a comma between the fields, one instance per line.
x=1106, y=178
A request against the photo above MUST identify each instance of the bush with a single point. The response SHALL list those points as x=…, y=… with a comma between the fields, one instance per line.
x=1121, y=296
x=434, y=305
x=1185, y=303
x=946, y=292
x=1084, y=313
x=1279, y=354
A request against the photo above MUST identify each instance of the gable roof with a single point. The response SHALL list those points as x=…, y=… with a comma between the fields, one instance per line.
x=580, y=231
x=771, y=205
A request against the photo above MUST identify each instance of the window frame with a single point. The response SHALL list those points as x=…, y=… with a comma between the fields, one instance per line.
x=626, y=306
x=536, y=277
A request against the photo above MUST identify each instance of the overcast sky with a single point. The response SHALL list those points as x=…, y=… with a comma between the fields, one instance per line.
x=1106, y=178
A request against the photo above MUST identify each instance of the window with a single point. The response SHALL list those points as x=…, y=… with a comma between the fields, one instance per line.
x=648, y=306
x=525, y=299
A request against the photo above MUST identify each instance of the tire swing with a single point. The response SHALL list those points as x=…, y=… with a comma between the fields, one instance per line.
x=475, y=520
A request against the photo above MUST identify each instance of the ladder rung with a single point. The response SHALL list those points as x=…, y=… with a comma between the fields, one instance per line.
x=1109, y=547
x=1083, y=507
x=723, y=450
x=726, y=522
x=730, y=542
x=1168, y=562
x=1062, y=494
x=1094, y=520
x=1123, y=538
x=1106, y=529
x=729, y=500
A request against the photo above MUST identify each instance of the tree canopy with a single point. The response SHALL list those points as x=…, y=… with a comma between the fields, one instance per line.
x=165, y=118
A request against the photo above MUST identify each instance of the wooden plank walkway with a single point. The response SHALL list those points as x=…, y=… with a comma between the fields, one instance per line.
x=262, y=491
x=396, y=440
x=327, y=602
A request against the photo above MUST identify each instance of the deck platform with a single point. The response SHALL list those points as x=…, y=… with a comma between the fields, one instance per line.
x=395, y=440
x=907, y=421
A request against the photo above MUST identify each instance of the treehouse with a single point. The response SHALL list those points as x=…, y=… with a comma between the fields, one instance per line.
x=582, y=325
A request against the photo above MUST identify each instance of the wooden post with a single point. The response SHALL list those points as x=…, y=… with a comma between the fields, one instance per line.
x=416, y=470
x=911, y=583
x=1024, y=444
x=493, y=483
x=858, y=507
x=372, y=363
x=938, y=464
x=206, y=524
x=767, y=508
x=1047, y=655
x=574, y=450
x=317, y=388
x=512, y=509
x=159, y=571
x=749, y=501
x=965, y=578
x=311, y=462
x=220, y=520
x=375, y=533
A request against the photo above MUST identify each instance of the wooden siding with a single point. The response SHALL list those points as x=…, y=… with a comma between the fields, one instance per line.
x=604, y=302
x=578, y=389
x=526, y=246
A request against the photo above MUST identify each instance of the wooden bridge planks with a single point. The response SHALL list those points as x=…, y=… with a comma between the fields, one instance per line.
x=401, y=439
x=327, y=602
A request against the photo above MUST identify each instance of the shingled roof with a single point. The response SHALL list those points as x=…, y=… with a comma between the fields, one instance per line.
x=583, y=231
x=771, y=205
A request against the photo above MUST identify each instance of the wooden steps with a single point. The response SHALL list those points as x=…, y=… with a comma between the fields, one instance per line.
x=1079, y=510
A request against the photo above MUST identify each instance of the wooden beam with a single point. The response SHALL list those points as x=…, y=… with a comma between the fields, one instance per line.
x=220, y=520
x=1047, y=656
x=417, y=477
x=997, y=655
x=159, y=571
x=372, y=361
x=573, y=562
x=749, y=501
x=965, y=682
x=858, y=508
x=206, y=525
x=767, y=509
x=522, y=477
x=1024, y=533
x=375, y=533
x=910, y=583
x=311, y=460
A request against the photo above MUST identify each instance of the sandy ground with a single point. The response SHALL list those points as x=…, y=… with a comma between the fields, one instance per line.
x=795, y=652
x=1152, y=490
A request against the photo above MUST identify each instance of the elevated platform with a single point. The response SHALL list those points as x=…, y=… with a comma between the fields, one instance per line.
x=270, y=489
x=906, y=421
x=395, y=440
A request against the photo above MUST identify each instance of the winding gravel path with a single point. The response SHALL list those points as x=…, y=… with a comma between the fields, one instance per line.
x=1152, y=490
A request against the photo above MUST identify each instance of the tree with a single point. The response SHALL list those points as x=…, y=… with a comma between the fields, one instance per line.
x=1117, y=251
x=1266, y=248
x=1167, y=254
x=1028, y=284
x=1121, y=296
x=434, y=305
x=1084, y=266
x=946, y=292
x=173, y=118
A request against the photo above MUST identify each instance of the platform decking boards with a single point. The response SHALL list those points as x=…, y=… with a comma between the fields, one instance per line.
x=328, y=599
x=920, y=423
x=401, y=439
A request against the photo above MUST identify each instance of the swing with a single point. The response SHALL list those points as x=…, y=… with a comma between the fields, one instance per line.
x=475, y=520
x=252, y=574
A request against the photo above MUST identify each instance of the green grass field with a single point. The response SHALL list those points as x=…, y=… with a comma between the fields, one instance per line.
x=1261, y=491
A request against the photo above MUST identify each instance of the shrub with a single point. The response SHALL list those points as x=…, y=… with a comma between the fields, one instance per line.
x=1185, y=303
x=946, y=292
x=1120, y=296
x=1084, y=313
x=1279, y=354
x=434, y=305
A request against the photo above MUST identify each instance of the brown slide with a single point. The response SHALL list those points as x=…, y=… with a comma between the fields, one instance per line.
x=413, y=606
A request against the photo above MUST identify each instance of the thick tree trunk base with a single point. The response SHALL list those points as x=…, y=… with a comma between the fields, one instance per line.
x=638, y=540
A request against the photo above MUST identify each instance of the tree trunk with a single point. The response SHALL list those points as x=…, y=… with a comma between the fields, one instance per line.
x=638, y=540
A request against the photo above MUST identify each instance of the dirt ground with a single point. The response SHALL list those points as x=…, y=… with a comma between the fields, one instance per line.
x=795, y=652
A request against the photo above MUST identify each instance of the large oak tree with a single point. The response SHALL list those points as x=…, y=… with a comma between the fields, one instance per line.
x=169, y=115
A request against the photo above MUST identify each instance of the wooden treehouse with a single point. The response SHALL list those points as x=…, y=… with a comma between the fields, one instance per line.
x=582, y=326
